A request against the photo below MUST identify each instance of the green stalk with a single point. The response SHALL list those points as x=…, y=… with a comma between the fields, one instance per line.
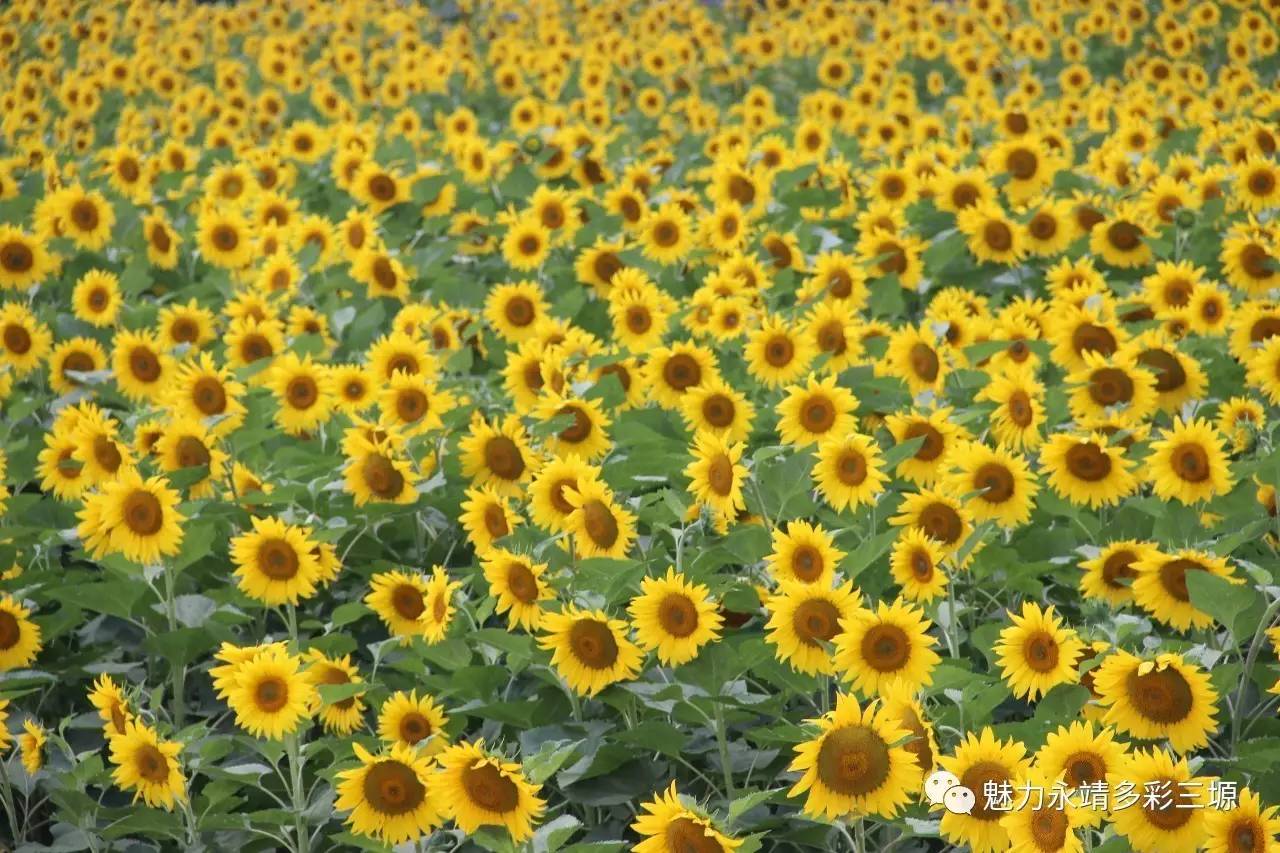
x=293, y=748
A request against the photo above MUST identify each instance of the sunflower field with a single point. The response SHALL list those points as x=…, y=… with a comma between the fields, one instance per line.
x=681, y=427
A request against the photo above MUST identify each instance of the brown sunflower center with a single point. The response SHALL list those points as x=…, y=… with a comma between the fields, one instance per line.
x=997, y=481
x=302, y=392
x=886, y=648
x=489, y=789
x=924, y=362
x=209, y=396
x=277, y=559
x=1118, y=568
x=600, y=523
x=143, y=513
x=681, y=372
x=1019, y=409
x=718, y=410
x=10, y=630
x=502, y=456
x=382, y=187
x=1043, y=226
x=921, y=564
x=414, y=727
x=17, y=257
x=84, y=214
x=1173, y=577
x=918, y=744
x=184, y=331
x=976, y=779
x=144, y=365
x=1086, y=461
x=407, y=601
x=1124, y=236
x=678, y=615
x=1022, y=163
x=720, y=474
x=225, y=238
x=495, y=521
x=1089, y=337
x=817, y=414
x=851, y=467
x=853, y=760
x=1049, y=827
x=997, y=236
x=1246, y=835
x=271, y=694
x=1170, y=375
x=684, y=835
x=779, y=351
x=807, y=563
x=941, y=522
x=1190, y=462
x=1262, y=182
x=151, y=764
x=1170, y=812
x=816, y=621
x=381, y=476
x=1256, y=262
x=522, y=583
x=393, y=788
x=932, y=446
x=1084, y=768
x=1040, y=652
x=593, y=644
x=1110, y=386
x=1161, y=695
x=666, y=234
x=17, y=339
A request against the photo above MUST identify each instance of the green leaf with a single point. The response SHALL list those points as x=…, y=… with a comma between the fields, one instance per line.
x=332, y=694
x=1234, y=605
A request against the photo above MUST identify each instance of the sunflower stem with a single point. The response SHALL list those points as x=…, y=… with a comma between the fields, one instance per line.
x=1251, y=658
x=293, y=748
x=177, y=672
x=291, y=620
x=10, y=808
x=722, y=743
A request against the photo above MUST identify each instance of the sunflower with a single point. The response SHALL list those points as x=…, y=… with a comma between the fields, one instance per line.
x=547, y=502
x=1040, y=818
x=716, y=474
x=19, y=636
x=586, y=431
x=477, y=788
x=815, y=410
x=1087, y=470
x=776, y=354
x=86, y=217
x=849, y=471
x=674, y=617
x=992, y=236
x=25, y=343
x=1165, y=698
x=1178, y=376
x=275, y=563
x=601, y=527
x=939, y=435
x=24, y=260
x=1109, y=576
x=271, y=697
x=666, y=234
x=670, y=372
x=668, y=826
x=134, y=517
x=1188, y=462
x=1019, y=413
x=981, y=761
x=1257, y=184
x=187, y=444
x=1082, y=753
x=497, y=455
x=1247, y=827
x=438, y=612
x=805, y=553
x=413, y=721
x=399, y=599
x=487, y=516
x=1036, y=653
x=96, y=298
x=1004, y=485
x=1160, y=586
x=517, y=583
x=188, y=323
x=1121, y=239
x=916, y=566
x=856, y=764
x=112, y=706
x=941, y=516
x=1241, y=420
x=804, y=618
x=1114, y=387
x=1171, y=805
x=346, y=714
x=148, y=766
x=31, y=745
x=514, y=309
x=589, y=650
x=99, y=451
x=142, y=368
x=890, y=643
x=1075, y=330
x=917, y=357
x=1050, y=230
x=388, y=795
x=376, y=472
x=201, y=390
x=1248, y=263
x=224, y=238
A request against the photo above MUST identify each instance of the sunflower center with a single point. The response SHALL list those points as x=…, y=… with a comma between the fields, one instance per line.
x=191, y=452
x=142, y=513
x=851, y=468
x=1191, y=463
x=921, y=565
x=1019, y=408
x=277, y=559
x=17, y=257
x=1169, y=372
x=502, y=457
x=1049, y=828
x=853, y=761
x=381, y=476
x=1118, y=568
x=144, y=365
x=1246, y=836
x=384, y=275
x=382, y=187
x=924, y=362
x=402, y=362
x=606, y=266
x=807, y=563
x=160, y=240
x=225, y=238
x=84, y=214
x=666, y=234
x=151, y=764
x=816, y=621
x=333, y=675
x=718, y=410
x=742, y=190
x=818, y=414
x=1022, y=163
x=1161, y=695
x=580, y=429
x=684, y=835
x=896, y=262
x=10, y=631
x=184, y=331
x=678, y=615
x=998, y=236
x=522, y=583
x=1040, y=652
x=1171, y=812
x=556, y=495
x=78, y=362
x=1088, y=462
x=779, y=351
x=997, y=481
x=681, y=372
x=932, y=446
x=1083, y=768
x=1124, y=236
x=1043, y=226
x=918, y=744
x=407, y=601
x=720, y=474
x=495, y=521
x=17, y=339
x=975, y=779
x=118, y=720
x=831, y=338
x=209, y=396
x=411, y=404
x=1262, y=182
x=1089, y=337
x=414, y=727
x=302, y=392
x=98, y=299
x=593, y=644
x=886, y=648
x=1110, y=386
x=941, y=522
x=1256, y=261
x=1173, y=577
x=271, y=694
x=392, y=788
x=600, y=523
